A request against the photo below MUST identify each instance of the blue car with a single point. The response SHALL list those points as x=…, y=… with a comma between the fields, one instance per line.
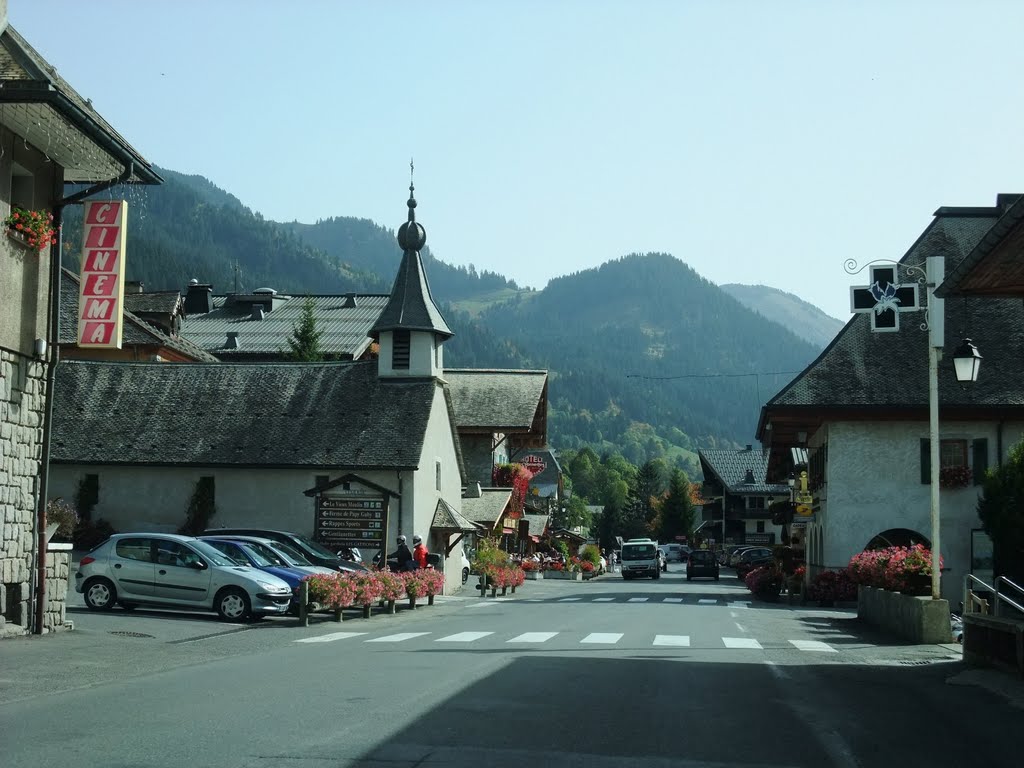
x=264, y=558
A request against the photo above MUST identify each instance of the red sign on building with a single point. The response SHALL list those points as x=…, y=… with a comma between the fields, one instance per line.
x=101, y=291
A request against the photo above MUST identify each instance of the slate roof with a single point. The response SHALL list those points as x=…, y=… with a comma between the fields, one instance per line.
x=157, y=302
x=448, y=519
x=505, y=400
x=730, y=467
x=344, y=321
x=411, y=306
x=981, y=273
x=81, y=141
x=135, y=331
x=538, y=523
x=871, y=372
x=323, y=415
x=488, y=507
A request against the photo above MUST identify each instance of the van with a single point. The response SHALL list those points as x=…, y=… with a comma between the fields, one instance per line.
x=674, y=553
x=640, y=558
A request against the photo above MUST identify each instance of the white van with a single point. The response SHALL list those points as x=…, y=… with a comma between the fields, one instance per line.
x=640, y=558
x=674, y=553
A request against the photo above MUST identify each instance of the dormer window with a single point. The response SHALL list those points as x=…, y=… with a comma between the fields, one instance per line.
x=400, y=350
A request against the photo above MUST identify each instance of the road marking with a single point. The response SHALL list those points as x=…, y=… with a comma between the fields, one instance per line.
x=463, y=637
x=637, y=600
x=677, y=641
x=397, y=638
x=741, y=642
x=482, y=604
x=330, y=638
x=609, y=638
x=741, y=604
x=707, y=602
x=672, y=600
x=533, y=600
x=604, y=599
x=739, y=627
x=532, y=637
x=570, y=599
x=733, y=615
x=776, y=670
x=813, y=645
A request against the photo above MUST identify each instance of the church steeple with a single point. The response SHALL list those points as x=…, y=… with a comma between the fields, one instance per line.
x=411, y=329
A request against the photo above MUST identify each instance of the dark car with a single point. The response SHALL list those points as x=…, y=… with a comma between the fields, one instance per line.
x=701, y=562
x=315, y=553
x=751, y=559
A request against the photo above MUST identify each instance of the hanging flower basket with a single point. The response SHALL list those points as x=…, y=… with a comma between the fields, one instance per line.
x=955, y=477
x=32, y=228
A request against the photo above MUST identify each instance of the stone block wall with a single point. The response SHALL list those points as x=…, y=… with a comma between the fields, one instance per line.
x=58, y=566
x=919, y=620
x=22, y=398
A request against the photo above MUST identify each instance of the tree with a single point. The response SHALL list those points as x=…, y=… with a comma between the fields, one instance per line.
x=1001, y=510
x=677, y=511
x=648, y=486
x=305, y=338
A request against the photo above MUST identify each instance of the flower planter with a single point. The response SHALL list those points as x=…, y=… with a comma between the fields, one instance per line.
x=534, y=575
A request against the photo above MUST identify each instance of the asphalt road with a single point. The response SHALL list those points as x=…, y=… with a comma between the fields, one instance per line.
x=600, y=673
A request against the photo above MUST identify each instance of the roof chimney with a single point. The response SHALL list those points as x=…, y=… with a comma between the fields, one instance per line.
x=232, y=342
x=257, y=312
x=473, y=491
x=133, y=286
x=748, y=479
x=350, y=301
x=198, y=298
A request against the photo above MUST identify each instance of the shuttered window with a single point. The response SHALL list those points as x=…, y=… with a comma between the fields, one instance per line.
x=952, y=453
x=980, y=450
x=400, y=351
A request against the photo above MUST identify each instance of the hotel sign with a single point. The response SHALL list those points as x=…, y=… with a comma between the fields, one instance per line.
x=101, y=289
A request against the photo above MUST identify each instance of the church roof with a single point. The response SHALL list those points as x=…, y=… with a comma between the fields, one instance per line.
x=730, y=466
x=324, y=415
x=411, y=306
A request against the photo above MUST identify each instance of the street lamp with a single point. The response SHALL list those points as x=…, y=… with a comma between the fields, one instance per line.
x=966, y=361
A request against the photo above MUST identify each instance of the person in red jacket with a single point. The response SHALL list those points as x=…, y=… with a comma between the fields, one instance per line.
x=419, y=551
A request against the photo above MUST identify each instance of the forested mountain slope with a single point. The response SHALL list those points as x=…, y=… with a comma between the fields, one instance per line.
x=805, y=320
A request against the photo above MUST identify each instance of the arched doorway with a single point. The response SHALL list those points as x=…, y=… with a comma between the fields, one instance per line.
x=898, y=537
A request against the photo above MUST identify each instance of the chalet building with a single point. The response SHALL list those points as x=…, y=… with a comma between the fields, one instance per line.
x=50, y=137
x=861, y=408
x=739, y=498
x=150, y=339
x=256, y=326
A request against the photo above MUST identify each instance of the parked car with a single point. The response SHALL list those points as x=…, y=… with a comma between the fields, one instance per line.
x=734, y=558
x=751, y=559
x=465, y=567
x=311, y=551
x=172, y=571
x=701, y=562
x=258, y=555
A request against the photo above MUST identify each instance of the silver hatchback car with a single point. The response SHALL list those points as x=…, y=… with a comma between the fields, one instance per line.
x=172, y=571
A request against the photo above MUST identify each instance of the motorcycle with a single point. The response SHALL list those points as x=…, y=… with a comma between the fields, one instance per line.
x=352, y=554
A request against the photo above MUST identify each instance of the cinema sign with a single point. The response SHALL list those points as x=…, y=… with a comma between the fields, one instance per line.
x=101, y=289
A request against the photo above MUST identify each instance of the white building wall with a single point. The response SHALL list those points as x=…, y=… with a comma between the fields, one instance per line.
x=873, y=484
x=425, y=356
x=155, y=498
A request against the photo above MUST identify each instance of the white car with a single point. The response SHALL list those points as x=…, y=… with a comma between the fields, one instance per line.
x=172, y=571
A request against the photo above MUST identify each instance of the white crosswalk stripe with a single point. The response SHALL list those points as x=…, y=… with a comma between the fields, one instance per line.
x=463, y=637
x=533, y=637
x=741, y=642
x=672, y=600
x=638, y=600
x=707, y=602
x=813, y=645
x=607, y=638
x=570, y=599
x=604, y=599
x=400, y=637
x=330, y=638
x=678, y=641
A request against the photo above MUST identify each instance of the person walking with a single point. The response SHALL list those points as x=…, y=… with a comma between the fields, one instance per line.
x=419, y=551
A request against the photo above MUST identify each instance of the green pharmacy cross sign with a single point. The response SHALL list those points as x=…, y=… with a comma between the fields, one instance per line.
x=885, y=299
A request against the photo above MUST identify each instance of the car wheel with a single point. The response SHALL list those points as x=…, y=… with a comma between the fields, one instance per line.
x=99, y=594
x=128, y=606
x=465, y=575
x=233, y=604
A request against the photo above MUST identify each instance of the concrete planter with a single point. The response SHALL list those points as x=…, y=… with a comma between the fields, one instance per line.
x=534, y=575
x=920, y=620
x=563, y=575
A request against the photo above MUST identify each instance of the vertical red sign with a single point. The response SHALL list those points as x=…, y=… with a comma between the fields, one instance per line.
x=101, y=296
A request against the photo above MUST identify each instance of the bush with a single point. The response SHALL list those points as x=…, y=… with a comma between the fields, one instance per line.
x=892, y=568
x=591, y=554
x=832, y=585
x=91, y=533
x=392, y=585
x=431, y=581
x=488, y=554
x=330, y=590
x=64, y=515
x=765, y=582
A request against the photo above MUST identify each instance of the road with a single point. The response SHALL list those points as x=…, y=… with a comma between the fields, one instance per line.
x=598, y=674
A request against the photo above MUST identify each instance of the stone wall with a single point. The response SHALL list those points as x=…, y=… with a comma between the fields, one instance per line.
x=22, y=390
x=919, y=620
x=58, y=566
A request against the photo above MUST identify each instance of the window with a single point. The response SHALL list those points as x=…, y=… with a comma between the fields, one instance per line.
x=400, y=350
x=321, y=481
x=755, y=502
x=954, y=453
x=133, y=549
x=437, y=474
x=760, y=526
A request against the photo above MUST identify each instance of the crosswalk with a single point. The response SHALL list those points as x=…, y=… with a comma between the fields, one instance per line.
x=592, y=638
x=625, y=600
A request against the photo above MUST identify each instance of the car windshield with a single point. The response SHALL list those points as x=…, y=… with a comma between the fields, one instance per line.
x=638, y=552
x=231, y=551
x=290, y=554
x=315, y=548
x=211, y=554
x=265, y=556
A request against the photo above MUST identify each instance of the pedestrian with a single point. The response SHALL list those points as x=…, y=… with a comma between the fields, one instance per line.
x=419, y=551
x=403, y=555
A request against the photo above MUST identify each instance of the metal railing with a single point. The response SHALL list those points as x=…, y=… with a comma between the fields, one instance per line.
x=974, y=603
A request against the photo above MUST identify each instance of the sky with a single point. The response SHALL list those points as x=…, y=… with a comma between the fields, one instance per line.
x=760, y=142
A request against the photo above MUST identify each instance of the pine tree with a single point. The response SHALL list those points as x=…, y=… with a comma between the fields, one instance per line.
x=305, y=338
x=677, y=512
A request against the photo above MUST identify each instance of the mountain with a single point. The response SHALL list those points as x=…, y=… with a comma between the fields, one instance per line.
x=805, y=320
x=646, y=357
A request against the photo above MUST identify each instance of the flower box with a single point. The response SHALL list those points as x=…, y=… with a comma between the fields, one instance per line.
x=534, y=575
